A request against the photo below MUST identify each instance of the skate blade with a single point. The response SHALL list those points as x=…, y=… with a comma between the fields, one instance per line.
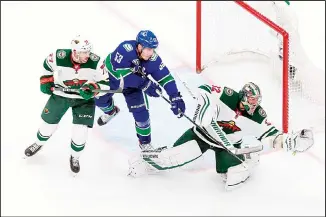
x=73, y=174
x=25, y=156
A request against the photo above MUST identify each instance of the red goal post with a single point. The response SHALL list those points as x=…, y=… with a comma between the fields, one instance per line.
x=272, y=25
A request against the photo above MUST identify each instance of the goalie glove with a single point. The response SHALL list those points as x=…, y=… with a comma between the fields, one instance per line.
x=299, y=141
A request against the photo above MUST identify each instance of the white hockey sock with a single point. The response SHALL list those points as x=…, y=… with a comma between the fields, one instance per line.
x=78, y=139
x=45, y=132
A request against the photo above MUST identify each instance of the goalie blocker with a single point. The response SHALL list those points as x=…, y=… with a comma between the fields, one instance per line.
x=247, y=130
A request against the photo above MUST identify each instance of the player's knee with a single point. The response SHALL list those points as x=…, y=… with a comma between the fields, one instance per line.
x=79, y=134
x=47, y=129
x=141, y=117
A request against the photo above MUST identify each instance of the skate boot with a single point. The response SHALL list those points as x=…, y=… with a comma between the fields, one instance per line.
x=32, y=149
x=107, y=117
x=74, y=164
x=146, y=146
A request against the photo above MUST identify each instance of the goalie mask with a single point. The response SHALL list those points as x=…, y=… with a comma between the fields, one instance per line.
x=250, y=97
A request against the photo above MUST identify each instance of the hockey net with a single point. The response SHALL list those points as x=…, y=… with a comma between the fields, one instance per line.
x=258, y=41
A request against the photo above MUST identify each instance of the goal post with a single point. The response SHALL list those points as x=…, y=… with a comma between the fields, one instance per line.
x=241, y=28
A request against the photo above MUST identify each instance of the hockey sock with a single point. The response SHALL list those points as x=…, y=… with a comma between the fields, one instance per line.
x=45, y=132
x=78, y=139
x=143, y=130
x=108, y=109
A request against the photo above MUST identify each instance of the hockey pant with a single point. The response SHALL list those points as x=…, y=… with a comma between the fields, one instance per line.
x=83, y=118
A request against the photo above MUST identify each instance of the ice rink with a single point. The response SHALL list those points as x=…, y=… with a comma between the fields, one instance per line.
x=42, y=185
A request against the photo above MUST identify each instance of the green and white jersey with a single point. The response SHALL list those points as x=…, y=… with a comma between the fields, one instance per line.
x=218, y=105
x=68, y=74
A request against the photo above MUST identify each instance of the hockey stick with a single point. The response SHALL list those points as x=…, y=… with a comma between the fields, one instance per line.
x=186, y=86
x=220, y=133
x=119, y=90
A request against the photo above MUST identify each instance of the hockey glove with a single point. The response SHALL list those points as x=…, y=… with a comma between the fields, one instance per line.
x=47, y=82
x=150, y=88
x=86, y=90
x=299, y=141
x=177, y=104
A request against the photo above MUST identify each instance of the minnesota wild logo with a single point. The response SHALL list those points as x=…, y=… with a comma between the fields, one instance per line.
x=46, y=111
x=74, y=83
x=228, y=126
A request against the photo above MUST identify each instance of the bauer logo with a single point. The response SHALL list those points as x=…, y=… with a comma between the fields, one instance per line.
x=137, y=106
x=228, y=126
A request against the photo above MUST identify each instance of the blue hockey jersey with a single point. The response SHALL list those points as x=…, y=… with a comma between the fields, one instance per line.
x=124, y=60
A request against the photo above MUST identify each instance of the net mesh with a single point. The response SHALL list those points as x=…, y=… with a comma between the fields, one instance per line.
x=236, y=48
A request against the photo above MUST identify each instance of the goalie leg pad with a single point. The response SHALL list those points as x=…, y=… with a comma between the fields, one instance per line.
x=236, y=176
x=152, y=161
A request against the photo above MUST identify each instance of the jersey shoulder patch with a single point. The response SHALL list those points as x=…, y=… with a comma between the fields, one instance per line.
x=228, y=91
x=62, y=53
x=259, y=115
x=154, y=57
x=63, y=57
x=128, y=47
x=262, y=112
x=230, y=98
x=94, y=57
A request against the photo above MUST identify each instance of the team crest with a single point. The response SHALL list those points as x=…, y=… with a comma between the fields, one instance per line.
x=228, y=91
x=94, y=57
x=46, y=111
x=61, y=54
x=228, y=126
x=74, y=83
x=262, y=112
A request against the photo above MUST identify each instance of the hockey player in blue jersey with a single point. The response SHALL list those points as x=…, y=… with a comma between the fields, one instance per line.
x=128, y=62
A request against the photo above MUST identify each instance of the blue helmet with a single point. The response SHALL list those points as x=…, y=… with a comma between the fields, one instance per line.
x=147, y=39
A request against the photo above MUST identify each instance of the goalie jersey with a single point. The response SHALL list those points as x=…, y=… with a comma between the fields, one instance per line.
x=218, y=105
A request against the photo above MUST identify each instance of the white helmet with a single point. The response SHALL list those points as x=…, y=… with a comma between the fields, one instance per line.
x=80, y=44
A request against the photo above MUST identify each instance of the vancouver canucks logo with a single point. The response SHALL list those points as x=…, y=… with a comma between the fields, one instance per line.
x=228, y=126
